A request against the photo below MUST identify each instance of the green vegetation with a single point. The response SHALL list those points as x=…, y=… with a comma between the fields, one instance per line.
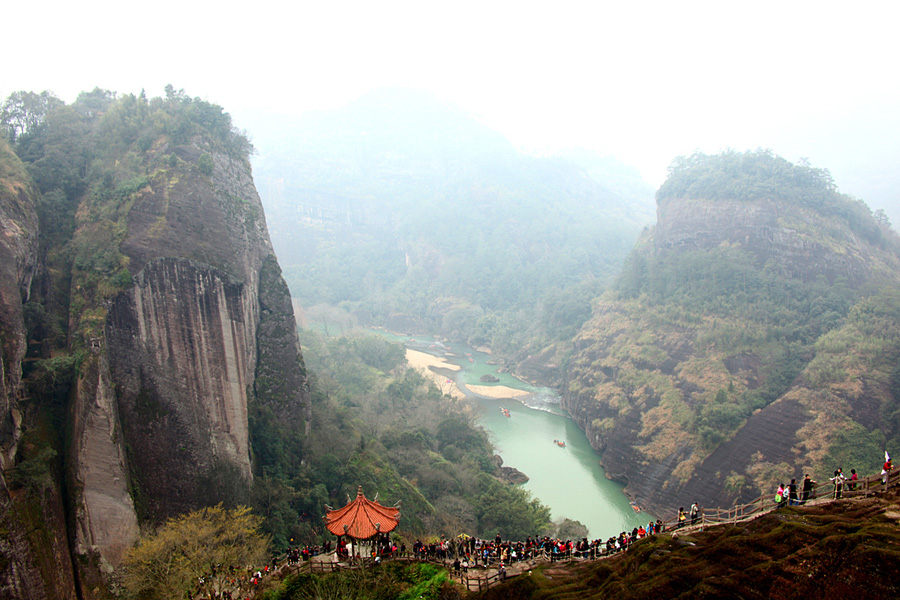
x=733, y=308
x=415, y=217
x=696, y=337
x=391, y=581
x=37, y=464
x=761, y=175
x=23, y=113
x=381, y=425
x=90, y=160
x=194, y=554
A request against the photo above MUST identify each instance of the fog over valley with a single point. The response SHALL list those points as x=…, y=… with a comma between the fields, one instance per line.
x=644, y=81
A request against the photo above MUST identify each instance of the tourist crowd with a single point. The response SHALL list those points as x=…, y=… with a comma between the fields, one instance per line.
x=295, y=555
x=237, y=582
x=838, y=484
x=470, y=552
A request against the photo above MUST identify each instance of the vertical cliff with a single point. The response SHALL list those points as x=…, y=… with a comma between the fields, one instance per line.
x=18, y=263
x=165, y=322
x=34, y=553
x=182, y=342
x=182, y=348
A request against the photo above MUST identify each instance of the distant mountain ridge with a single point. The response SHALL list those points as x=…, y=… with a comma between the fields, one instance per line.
x=753, y=337
x=421, y=217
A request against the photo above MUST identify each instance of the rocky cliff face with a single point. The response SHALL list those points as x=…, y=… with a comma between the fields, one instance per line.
x=106, y=524
x=177, y=324
x=34, y=553
x=182, y=348
x=749, y=342
x=804, y=242
x=18, y=263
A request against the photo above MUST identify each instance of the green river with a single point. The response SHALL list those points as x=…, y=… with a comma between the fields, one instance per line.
x=569, y=480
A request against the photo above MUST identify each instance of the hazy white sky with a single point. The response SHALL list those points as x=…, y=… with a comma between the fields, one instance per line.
x=645, y=81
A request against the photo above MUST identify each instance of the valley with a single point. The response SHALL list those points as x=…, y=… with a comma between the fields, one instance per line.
x=567, y=479
x=164, y=356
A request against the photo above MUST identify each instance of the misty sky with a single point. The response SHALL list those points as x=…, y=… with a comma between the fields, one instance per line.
x=644, y=81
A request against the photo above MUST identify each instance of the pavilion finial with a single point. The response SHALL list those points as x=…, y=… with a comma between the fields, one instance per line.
x=359, y=491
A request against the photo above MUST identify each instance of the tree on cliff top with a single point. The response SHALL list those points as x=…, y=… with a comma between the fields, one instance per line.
x=23, y=112
x=214, y=545
x=746, y=176
x=763, y=175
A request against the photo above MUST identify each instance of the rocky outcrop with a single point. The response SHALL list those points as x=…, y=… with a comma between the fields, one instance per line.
x=280, y=380
x=18, y=263
x=806, y=243
x=214, y=220
x=34, y=553
x=35, y=560
x=182, y=350
x=509, y=475
x=204, y=331
x=512, y=475
x=106, y=522
x=694, y=391
x=159, y=322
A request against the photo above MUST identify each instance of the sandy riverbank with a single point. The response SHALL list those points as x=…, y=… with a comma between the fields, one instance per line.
x=424, y=362
x=497, y=391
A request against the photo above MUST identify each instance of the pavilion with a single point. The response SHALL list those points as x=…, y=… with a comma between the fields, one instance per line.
x=362, y=520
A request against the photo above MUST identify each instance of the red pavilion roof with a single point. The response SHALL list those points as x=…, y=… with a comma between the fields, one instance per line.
x=362, y=518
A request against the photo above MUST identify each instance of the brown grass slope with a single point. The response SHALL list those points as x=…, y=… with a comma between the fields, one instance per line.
x=844, y=548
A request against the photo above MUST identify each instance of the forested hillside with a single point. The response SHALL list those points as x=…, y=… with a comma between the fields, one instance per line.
x=752, y=337
x=152, y=366
x=380, y=424
x=410, y=214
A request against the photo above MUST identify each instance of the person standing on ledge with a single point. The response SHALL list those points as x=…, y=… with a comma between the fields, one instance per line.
x=807, y=489
x=792, y=493
x=838, y=481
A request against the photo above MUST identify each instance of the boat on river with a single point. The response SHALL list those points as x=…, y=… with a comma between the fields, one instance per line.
x=505, y=411
x=560, y=443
